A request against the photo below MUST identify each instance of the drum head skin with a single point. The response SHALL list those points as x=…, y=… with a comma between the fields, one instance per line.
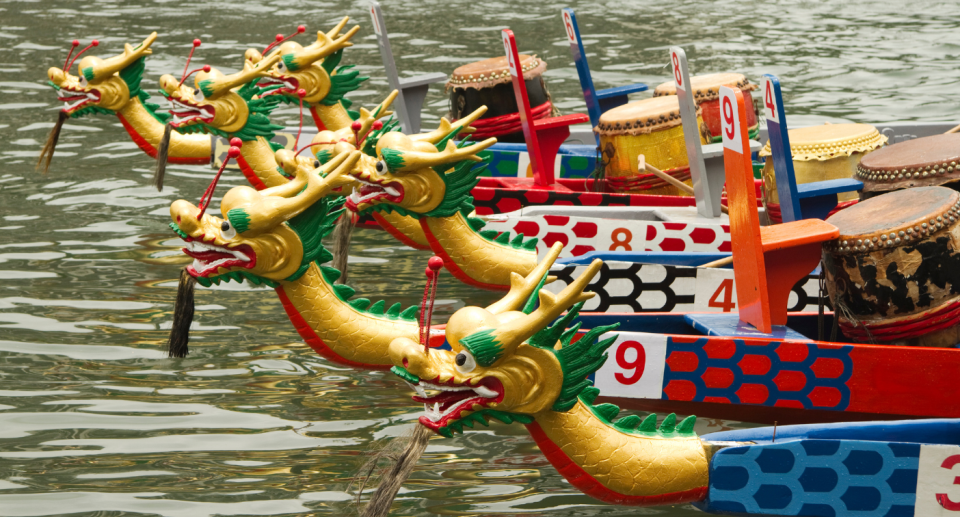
x=830, y=141
x=928, y=161
x=643, y=116
x=489, y=72
x=707, y=87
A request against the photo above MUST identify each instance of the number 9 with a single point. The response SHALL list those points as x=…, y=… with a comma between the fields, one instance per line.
x=728, y=121
x=636, y=364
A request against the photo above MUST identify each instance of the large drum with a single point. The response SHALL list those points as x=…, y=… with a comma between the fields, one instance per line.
x=706, y=93
x=827, y=152
x=650, y=127
x=893, y=276
x=922, y=162
x=488, y=83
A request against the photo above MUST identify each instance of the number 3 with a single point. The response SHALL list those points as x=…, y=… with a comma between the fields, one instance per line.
x=636, y=365
x=948, y=464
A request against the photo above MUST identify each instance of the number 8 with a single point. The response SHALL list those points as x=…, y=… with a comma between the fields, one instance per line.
x=676, y=69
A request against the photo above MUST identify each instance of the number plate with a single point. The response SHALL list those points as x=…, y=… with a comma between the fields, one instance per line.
x=730, y=120
x=634, y=368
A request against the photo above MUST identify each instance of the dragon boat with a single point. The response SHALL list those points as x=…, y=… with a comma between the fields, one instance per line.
x=529, y=367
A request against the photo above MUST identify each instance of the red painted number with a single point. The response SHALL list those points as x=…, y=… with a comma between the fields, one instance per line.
x=728, y=117
x=943, y=499
x=636, y=364
x=726, y=287
x=768, y=100
x=621, y=237
x=566, y=22
x=676, y=69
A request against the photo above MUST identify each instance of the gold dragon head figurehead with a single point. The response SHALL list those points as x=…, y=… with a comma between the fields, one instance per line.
x=312, y=68
x=421, y=175
x=509, y=366
x=265, y=236
x=101, y=85
x=225, y=105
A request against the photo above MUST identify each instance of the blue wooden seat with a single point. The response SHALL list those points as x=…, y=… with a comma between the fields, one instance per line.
x=598, y=101
x=411, y=91
x=730, y=325
x=808, y=200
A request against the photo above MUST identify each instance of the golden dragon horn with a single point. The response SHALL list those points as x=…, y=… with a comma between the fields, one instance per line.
x=446, y=127
x=522, y=287
x=367, y=118
x=416, y=160
x=282, y=203
x=114, y=64
x=335, y=31
x=324, y=47
x=249, y=73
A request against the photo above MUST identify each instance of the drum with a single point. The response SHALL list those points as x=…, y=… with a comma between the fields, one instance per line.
x=706, y=93
x=488, y=83
x=827, y=152
x=893, y=275
x=921, y=162
x=650, y=127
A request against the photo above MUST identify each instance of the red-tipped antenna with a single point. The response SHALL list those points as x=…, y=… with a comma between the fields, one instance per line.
x=377, y=126
x=74, y=44
x=280, y=39
x=233, y=152
x=304, y=148
x=356, y=127
x=92, y=44
x=429, y=295
x=301, y=93
x=205, y=68
x=196, y=43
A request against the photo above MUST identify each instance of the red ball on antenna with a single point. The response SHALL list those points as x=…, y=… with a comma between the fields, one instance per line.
x=206, y=68
x=301, y=28
x=75, y=43
x=279, y=37
x=356, y=126
x=94, y=43
x=435, y=263
x=233, y=152
x=236, y=142
x=377, y=125
x=196, y=42
x=301, y=93
x=430, y=273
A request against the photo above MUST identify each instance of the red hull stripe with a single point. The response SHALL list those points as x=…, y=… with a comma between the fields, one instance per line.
x=590, y=486
x=314, y=340
x=452, y=266
x=397, y=234
x=152, y=151
x=249, y=174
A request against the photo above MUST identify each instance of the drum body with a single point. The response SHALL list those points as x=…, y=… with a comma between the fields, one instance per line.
x=820, y=153
x=893, y=276
x=927, y=161
x=706, y=93
x=488, y=83
x=650, y=127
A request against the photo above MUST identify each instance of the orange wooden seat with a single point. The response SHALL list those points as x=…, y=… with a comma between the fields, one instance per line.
x=769, y=260
x=543, y=136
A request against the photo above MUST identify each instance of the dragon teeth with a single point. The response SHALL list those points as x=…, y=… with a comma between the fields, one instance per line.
x=392, y=191
x=485, y=392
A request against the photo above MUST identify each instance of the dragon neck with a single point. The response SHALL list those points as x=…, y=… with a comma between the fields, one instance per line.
x=258, y=164
x=144, y=128
x=334, y=117
x=481, y=259
x=350, y=333
x=619, y=467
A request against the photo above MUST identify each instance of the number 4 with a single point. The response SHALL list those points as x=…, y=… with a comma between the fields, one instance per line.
x=727, y=305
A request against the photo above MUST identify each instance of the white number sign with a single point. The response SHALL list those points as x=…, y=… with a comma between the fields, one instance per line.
x=677, y=76
x=376, y=24
x=938, y=478
x=634, y=368
x=730, y=120
x=770, y=101
x=568, y=25
x=508, y=48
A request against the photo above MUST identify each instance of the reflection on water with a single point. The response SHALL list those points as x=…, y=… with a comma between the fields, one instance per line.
x=95, y=421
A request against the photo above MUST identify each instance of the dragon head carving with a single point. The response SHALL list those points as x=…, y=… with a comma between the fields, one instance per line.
x=421, y=175
x=222, y=104
x=509, y=366
x=102, y=85
x=265, y=236
x=312, y=68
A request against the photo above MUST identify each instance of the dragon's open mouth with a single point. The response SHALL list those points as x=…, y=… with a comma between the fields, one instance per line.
x=454, y=399
x=288, y=85
x=185, y=114
x=208, y=258
x=370, y=192
x=74, y=100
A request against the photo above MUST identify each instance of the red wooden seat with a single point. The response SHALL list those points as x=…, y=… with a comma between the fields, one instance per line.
x=543, y=136
x=769, y=260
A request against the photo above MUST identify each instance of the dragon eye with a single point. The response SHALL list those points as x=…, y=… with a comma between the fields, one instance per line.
x=197, y=94
x=83, y=80
x=465, y=362
x=316, y=164
x=381, y=167
x=227, y=231
x=280, y=66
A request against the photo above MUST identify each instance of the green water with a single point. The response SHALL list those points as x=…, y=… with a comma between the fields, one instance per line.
x=95, y=421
